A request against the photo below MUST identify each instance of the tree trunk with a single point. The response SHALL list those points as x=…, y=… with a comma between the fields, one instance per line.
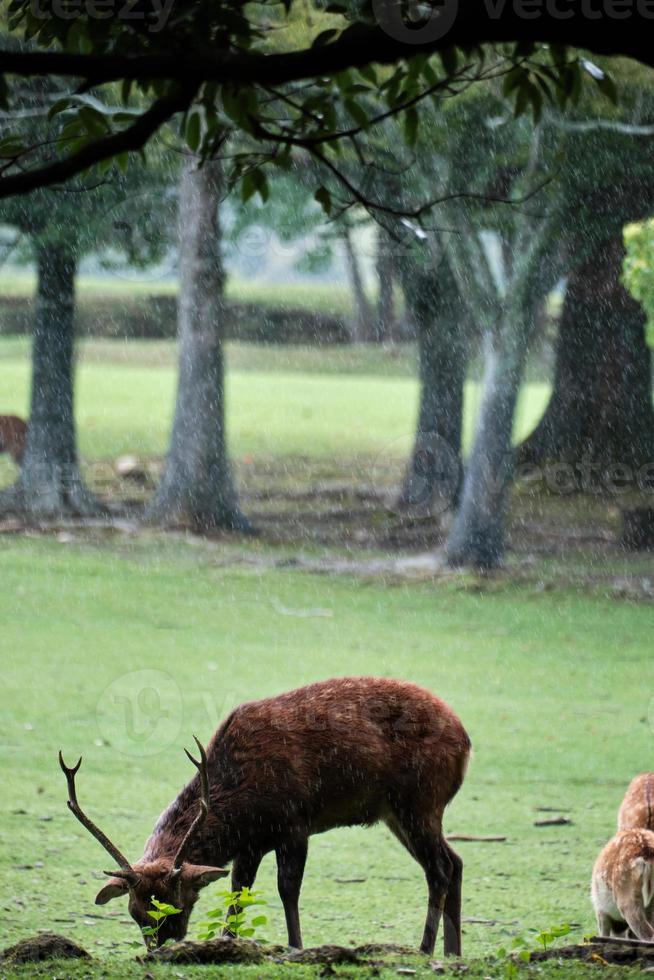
x=600, y=411
x=386, y=325
x=363, y=326
x=477, y=534
x=197, y=486
x=50, y=484
x=433, y=475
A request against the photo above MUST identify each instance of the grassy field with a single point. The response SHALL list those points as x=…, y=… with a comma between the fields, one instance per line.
x=317, y=297
x=343, y=404
x=122, y=646
x=550, y=685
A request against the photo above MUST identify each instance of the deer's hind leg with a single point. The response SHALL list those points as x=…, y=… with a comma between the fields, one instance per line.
x=452, y=910
x=291, y=858
x=442, y=868
x=636, y=918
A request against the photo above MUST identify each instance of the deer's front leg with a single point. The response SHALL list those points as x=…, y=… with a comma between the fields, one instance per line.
x=244, y=871
x=291, y=858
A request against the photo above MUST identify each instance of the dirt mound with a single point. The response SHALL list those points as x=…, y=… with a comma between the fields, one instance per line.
x=245, y=951
x=604, y=951
x=45, y=946
x=213, y=951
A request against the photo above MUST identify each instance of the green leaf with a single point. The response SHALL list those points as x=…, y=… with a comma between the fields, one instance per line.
x=193, y=131
x=370, y=74
x=608, y=88
x=125, y=90
x=357, y=112
x=254, y=182
x=259, y=920
x=521, y=101
x=59, y=106
x=122, y=160
x=10, y=146
x=512, y=80
x=450, y=60
x=324, y=37
x=411, y=126
x=324, y=199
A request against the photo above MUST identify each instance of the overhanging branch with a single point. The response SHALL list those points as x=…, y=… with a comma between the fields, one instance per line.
x=132, y=138
x=478, y=22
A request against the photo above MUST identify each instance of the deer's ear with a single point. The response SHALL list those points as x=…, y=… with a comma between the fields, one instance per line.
x=201, y=875
x=114, y=888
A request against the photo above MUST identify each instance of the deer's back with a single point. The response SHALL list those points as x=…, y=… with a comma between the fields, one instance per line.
x=343, y=751
x=637, y=809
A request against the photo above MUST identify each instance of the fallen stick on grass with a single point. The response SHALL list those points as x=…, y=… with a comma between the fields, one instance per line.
x=616, y=941
x=488, y=839
x=553, y=822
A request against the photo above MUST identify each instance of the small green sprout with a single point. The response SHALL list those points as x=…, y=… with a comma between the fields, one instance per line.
x=158, y=913
x=519, y=949
x=547, y=936
x=232, y=915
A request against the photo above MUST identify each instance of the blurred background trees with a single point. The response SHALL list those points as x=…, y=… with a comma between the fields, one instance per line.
x=461, y=227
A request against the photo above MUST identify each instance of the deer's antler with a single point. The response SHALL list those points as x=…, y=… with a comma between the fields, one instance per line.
x=127, y=870
x=203, y=800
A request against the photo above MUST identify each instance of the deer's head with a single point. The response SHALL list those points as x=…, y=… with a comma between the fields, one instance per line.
x=172, y=880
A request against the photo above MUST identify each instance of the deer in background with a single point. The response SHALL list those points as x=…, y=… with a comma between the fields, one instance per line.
x=336, y=753
x=13, y=435
x=622, y=888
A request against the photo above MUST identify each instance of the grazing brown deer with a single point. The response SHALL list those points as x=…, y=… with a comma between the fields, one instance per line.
x=622, y=888
x=340, y=752
x=637, y=809
x=13, y=433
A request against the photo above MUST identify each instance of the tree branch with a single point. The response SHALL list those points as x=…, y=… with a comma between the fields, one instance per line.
x=132, y=138
x=479, y=23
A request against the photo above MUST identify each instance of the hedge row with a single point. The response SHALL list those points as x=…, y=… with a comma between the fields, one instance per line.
x=155, y=317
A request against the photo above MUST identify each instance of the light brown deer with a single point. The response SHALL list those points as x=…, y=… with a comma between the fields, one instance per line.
x=637, y=809
x=622, y=888
x=13, y=434
x=332, y=754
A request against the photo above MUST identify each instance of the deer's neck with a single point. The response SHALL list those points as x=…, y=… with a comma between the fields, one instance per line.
x=210, y=843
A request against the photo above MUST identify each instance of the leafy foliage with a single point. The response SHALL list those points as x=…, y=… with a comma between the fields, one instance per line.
x=639, y=268
x=220, y=95
x=232, y=915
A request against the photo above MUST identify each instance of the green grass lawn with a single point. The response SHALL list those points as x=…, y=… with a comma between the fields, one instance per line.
x=279, y=405
x=551, y=686
x=317, y=297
